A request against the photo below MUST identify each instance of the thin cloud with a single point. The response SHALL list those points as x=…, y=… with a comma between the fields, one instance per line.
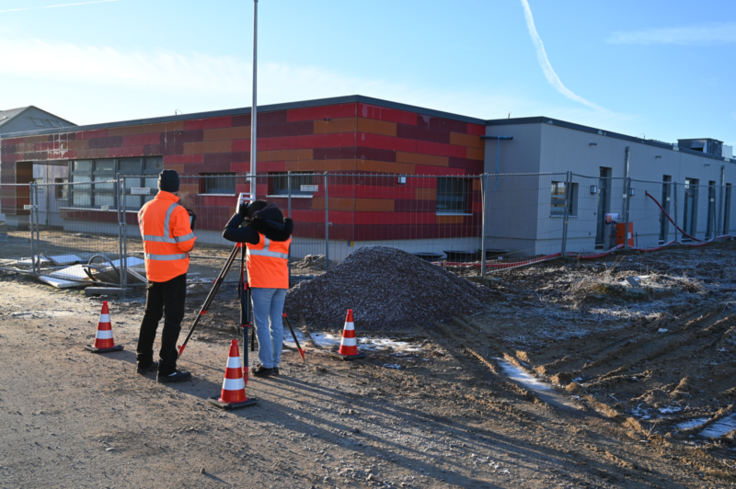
x=544, y=63
x=56, y=6
x=720, y=33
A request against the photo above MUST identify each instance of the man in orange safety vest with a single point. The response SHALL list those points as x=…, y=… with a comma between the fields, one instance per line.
x=167, y=240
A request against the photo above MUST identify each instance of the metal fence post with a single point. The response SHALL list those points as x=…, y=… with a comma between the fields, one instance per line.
x=32, y=190
x=627, y=203
x=484, y=222
x=566, y=217
x=288, y=213
x=674, y=200
x=120, y=195
x=327, y=226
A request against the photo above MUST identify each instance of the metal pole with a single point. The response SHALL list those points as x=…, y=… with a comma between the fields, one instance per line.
x=254, y=105
x=674, y=200
x=719, y=224
x=627, y=199
x=568, y=199
x=483, y=186
x=31, y=189
x=38, y=232
x=120, y=200
x=288, y=211
x=327, y=228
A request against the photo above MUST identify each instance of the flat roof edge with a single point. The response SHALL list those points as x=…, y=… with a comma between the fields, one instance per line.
x=600, y=132
x=261, y=108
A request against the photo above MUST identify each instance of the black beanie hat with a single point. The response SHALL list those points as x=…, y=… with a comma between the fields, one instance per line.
x=168, y=181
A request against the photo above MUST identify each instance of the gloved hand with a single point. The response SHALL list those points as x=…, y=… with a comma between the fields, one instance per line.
x=192, y=218
x=242, y=208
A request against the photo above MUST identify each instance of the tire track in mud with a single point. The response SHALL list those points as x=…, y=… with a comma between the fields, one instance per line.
x=652, y=376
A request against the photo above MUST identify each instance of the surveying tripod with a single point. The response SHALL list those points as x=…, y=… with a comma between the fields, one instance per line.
x=243, y=297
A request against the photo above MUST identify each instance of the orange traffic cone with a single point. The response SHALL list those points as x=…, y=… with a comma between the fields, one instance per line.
x=104, y=341
x=349, y=344
x=233, y=386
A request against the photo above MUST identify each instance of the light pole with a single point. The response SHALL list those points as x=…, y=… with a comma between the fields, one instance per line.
x=254, y=105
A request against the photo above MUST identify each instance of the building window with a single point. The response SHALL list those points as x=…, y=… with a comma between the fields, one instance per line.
x=452, y=195
x=301, y=183
x=218, y=183
x=559, y=197
x=61, y=191
x=144, y=178
x=91, y=184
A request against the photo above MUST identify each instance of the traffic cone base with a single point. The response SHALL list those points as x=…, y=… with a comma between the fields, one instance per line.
x=337, y=354
x=93, y=349
x=233, y=386
x=229, y=406
x=349, y=343
x=104, y=342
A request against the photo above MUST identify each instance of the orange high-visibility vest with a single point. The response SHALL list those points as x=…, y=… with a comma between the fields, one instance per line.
x=167, y=237
x=268, y=263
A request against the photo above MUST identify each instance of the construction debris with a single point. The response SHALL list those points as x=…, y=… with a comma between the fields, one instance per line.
x=388, y=289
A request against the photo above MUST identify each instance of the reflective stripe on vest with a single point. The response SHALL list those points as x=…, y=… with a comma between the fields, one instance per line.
x=266, y=252
x=166, y=257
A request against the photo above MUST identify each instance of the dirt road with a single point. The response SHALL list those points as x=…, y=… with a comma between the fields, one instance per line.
x=446, y=417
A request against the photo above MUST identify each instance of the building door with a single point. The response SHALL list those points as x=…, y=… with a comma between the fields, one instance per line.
x=691, y=206
x=710, y=231
x=604, y=205
x=666, y=197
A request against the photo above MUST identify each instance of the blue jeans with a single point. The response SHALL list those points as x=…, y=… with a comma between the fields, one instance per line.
x=269, y=304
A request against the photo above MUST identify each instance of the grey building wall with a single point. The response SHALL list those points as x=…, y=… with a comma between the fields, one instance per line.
x=520, y=210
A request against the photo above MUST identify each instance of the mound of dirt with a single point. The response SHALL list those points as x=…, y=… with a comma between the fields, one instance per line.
x=387, y=289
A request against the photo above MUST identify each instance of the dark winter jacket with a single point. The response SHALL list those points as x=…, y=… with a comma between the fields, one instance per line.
x=268, y=221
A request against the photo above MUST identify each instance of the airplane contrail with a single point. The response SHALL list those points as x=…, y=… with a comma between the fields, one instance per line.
x=544, y=63
x=57, y=6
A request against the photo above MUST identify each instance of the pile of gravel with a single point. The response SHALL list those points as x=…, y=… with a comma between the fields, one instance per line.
x=387, y=289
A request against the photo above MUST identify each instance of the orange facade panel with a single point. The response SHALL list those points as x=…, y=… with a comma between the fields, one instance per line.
x=475, y=154
x=466, y=140
x=385, y=167
x=425, y=194
x=377, y=127
x=417, y=159
x=373, y=205
x=450, y=219
x=349, y=124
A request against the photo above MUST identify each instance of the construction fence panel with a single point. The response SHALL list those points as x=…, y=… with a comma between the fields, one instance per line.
x=76, y=233
x=15, y=242
x=524, y=216
x=590, y=200
x=649, y=204
x=438, y=218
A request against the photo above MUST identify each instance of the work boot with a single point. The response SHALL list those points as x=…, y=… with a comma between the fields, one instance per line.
x=262, y=371
x=275, y=371
x=177, y=376
x=147, y=370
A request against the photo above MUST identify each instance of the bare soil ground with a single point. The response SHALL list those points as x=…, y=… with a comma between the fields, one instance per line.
x=447, y=417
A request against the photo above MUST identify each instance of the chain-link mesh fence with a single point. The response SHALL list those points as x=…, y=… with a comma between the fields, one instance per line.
x=81, y=230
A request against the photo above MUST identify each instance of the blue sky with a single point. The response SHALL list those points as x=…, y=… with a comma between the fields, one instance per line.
x=656, y=69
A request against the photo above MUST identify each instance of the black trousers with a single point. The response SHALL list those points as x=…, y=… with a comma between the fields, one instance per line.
x=163, y=299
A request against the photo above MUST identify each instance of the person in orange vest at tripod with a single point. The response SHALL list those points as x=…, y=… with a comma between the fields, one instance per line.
x=167, y=240
x=267, y=235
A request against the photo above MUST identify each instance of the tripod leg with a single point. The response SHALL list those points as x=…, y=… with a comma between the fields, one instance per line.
x=210, y=296
x=244, y=313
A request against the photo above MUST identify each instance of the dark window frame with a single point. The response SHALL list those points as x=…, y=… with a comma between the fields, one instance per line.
x=278, y=183
x=453, y=195
x=206, y=181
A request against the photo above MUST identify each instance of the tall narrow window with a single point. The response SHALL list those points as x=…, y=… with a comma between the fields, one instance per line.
x=559, y=196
